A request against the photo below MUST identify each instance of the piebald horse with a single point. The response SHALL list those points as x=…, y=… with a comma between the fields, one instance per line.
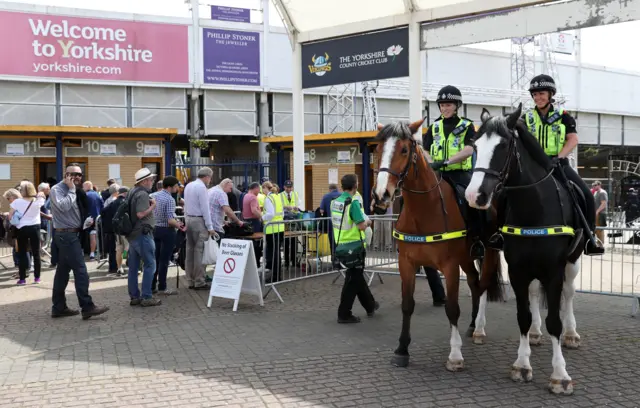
x=540, y=242
x=431, y=231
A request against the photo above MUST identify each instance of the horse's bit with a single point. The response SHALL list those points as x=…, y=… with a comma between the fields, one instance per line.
x=412, y=162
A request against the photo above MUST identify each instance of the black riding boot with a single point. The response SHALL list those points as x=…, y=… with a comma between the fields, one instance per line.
x=496, y=241
x=476, y=231
x=567, y=173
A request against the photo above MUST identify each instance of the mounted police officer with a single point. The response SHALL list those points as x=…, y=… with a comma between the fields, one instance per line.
x=556, y=131
x=449, y=141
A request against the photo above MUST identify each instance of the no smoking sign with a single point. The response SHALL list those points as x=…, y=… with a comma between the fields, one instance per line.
x=229, y=265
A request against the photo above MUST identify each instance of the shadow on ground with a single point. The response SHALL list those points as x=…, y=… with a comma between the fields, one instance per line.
x=294, y=354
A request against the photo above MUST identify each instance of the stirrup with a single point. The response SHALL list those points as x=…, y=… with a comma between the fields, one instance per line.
x=496, y=241
x=591, y=250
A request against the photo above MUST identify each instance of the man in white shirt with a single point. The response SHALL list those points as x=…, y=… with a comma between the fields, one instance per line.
x=199, y=227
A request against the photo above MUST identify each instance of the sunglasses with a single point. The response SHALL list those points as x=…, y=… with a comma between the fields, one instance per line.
x=75, y=174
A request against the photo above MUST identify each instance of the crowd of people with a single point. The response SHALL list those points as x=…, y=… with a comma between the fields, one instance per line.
x=81, y=219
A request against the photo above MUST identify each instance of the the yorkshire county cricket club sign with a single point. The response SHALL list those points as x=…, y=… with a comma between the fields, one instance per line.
x=366, y=57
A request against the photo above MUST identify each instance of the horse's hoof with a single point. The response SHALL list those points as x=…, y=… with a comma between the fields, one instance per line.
x=561, y=387
x=521, y=374
x=470, y=331
x=571, y=342
x=479, y=338
x=535, y=339
x=400, y=360
x=454, y=366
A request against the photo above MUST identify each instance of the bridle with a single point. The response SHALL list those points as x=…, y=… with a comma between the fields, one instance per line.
x=503, y=175
x=414, y=148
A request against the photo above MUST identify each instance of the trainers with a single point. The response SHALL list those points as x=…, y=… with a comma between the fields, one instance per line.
x=150, y=302
x=135, y=302
x=21, y=282
x=169, y=292
x=37, y=281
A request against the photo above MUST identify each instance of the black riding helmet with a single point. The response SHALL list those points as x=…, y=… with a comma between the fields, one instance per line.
x=450, y=94
x=542, y=83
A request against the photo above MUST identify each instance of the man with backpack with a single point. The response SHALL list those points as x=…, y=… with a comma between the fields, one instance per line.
x=135, y=220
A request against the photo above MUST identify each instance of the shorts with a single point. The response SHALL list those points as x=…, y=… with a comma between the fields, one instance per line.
x=602, y=220
x=121, y=243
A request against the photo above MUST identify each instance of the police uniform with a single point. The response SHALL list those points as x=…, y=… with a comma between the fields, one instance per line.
x=345, y=220
x=551, y=131
x=445, y=138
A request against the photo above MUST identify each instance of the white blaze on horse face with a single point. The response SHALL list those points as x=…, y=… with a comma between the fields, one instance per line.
x=387, y=155
x=485, y=147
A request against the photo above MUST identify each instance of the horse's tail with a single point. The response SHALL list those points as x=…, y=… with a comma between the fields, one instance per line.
x=492, y=280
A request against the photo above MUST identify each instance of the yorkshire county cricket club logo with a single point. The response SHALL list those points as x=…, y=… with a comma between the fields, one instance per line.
x=321, y=64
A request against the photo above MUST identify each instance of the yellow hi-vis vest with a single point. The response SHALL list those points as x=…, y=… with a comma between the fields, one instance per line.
x=551, y=133
x=294, y=199
x=278, y=206
x=347, y=231
x=261, y=198
x=444, y=147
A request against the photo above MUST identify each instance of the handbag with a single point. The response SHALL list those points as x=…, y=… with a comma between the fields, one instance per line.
x=17, y=215
x=350, y=254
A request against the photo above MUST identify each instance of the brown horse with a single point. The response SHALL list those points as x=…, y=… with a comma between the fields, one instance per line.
x=431, y=231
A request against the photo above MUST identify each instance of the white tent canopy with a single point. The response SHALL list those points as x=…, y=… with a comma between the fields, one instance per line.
x=308, y=21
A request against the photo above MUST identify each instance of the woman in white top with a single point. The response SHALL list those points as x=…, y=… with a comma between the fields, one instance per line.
x=28, y=229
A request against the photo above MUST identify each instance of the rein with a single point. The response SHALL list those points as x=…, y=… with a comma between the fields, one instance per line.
x=503, y=175
x=401, y=178
x=405, y=172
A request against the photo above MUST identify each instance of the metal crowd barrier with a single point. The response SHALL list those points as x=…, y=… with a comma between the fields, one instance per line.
x=6, y=251
x=616, y=273
x=303, y=250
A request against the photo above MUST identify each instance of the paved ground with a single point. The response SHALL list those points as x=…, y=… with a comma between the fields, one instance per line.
x=291, y=354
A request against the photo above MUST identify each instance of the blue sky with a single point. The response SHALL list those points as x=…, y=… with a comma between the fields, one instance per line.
x=605, y=46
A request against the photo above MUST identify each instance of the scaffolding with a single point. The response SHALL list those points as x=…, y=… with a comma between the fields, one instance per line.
x=523, y=64
x=370, y=105
x=341, y=108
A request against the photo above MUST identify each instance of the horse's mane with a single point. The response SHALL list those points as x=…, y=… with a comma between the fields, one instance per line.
x=398, y=129
x=532, y=145
x=498, y=125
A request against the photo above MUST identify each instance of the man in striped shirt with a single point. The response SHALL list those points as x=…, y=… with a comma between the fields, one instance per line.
x=164, y=234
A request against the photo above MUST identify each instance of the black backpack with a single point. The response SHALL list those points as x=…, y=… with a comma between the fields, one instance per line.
x=123, y=223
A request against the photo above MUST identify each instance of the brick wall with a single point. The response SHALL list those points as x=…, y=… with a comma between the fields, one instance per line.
x=99, y=170
x=21, y=168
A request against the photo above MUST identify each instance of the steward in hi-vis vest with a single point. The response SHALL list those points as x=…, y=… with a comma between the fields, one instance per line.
x=556, y=132
x=449, y=142
x=349, y=224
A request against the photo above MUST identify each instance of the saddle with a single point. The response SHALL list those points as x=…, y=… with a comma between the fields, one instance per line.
x=581, y=204
x=467, y=212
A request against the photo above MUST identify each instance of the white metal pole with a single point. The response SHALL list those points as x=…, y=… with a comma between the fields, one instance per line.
x=195, y=93
x=298, y=120
x=264, y=108
x=415, y=75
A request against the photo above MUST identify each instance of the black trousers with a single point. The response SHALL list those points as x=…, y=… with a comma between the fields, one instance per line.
x=273, y=259
x=354, y=286
x=589, y=199
x=290, y=250
x=435, y=284
x=477, y=222
x=29, y=239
